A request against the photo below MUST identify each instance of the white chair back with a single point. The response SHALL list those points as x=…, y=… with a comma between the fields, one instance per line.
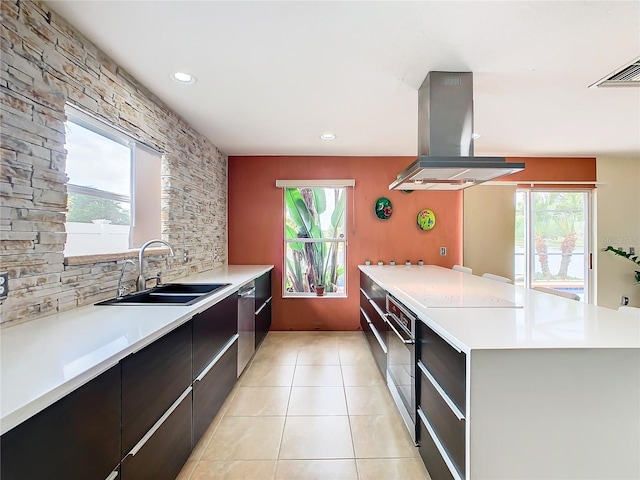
x=462, y=269
x=628, y=309
x=497, y=278
x=559, y=293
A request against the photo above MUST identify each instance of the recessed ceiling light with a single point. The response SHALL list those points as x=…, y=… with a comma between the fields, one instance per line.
x=327, y=136
x=183, y=77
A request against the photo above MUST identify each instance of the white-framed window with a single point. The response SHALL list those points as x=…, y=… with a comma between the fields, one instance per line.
x=113, y=188
x=315, y=237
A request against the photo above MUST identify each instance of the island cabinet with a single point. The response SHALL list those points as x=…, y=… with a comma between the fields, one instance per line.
x=263, y=307
x=78, y=437
x=215, y=360
x=372, y=320
x=157, y=407
x=441, y=397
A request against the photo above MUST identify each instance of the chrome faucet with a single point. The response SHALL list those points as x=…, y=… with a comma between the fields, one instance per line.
x=121, y=289
x=142, y=280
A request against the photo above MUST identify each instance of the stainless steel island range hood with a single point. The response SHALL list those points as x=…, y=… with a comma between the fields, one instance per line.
x=445, y=141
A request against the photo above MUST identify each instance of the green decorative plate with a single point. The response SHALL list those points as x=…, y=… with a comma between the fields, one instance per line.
x=383, y=208
x=426, y=219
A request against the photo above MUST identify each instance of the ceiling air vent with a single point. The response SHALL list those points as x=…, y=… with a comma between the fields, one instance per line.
x=625, y=76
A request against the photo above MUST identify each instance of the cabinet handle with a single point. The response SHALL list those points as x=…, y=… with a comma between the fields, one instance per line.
x=112, y=476
x=395, y=330
x=374, y=330
x=456, y=411
x=377, y=308
x=376, y=334
x=159, y=423
x=365, y=294
x=263, y=305
x=439, y=446
x=215, y=360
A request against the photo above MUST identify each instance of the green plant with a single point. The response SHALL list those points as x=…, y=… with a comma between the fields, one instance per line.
x=313, y=264
x=622, y=253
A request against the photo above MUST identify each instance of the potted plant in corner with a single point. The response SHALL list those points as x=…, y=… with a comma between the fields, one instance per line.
x=630, y=256
x=320, y=290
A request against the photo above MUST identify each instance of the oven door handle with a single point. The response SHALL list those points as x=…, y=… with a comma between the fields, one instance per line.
x=395, y=330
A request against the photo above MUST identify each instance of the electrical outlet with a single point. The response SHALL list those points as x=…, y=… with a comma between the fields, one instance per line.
x=443, y=251
x=4, y=285
x=624, y=300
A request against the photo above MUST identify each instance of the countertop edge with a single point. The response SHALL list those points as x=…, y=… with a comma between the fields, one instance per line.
x=32, y=407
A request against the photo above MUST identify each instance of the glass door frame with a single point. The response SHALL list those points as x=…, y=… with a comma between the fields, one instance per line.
x=589, y=240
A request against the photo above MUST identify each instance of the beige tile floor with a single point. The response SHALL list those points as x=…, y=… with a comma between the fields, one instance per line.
x=311, y=405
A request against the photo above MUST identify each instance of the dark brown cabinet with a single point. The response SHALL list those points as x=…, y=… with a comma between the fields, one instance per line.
x=212, y=329
x=372, y=306
x=152, y=380
x=164, y=452
x=263, y=307
x=78, y=437
x=441, y=393
x=212, y=386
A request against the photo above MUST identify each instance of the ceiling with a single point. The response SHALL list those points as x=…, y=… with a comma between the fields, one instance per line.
x=273, y=76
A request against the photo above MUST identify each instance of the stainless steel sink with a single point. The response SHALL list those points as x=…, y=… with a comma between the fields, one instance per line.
x=169, y=294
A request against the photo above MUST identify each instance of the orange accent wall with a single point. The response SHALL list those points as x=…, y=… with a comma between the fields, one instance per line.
x=544, y=169
x=256, y=224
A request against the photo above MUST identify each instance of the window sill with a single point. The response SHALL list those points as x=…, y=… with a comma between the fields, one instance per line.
x=313, y=295
x=112, y=257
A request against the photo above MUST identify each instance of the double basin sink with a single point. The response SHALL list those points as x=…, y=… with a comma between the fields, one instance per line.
x=169, y=294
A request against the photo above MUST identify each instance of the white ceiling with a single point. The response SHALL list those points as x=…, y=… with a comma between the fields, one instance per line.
x=273, y=76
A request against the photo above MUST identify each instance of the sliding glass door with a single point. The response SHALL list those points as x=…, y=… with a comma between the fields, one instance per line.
x=553, y=229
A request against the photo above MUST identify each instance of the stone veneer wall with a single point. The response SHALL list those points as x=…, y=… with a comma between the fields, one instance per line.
x=44, y=63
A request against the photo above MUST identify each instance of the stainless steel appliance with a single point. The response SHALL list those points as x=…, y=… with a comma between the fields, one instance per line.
x=401, y=361
x=246, y=324
x=446, y=159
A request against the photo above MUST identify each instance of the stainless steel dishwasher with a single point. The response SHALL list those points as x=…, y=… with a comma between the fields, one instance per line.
x=246, y=324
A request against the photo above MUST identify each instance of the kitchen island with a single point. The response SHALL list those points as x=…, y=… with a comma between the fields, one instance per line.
x=551, y=386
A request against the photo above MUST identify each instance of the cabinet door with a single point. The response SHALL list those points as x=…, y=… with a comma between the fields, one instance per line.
x=263, y=322
x=263, y=288
x=78, y=437
x=447, y=365
x=212, y=329
x=212, y=388
x=166, y=450
x=152, y=380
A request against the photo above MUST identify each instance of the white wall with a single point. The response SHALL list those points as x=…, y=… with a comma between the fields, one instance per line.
x=489, y=229
x=618, y=225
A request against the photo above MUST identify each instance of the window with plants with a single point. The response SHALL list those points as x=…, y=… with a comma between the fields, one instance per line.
x=315, y=241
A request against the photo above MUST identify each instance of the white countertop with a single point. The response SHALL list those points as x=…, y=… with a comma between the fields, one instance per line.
x=45, y=359
x=476, y=313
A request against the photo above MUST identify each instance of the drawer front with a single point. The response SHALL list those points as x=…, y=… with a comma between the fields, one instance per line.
x=210, y=392
x=377, y=320
x=152, y=380
x=379, y=354
x=76, y=438
x=430, y=454
x=374, y=291
x=166, y=451
x=449, y=429
x=212, y=329
x=263, y=322
x=263, y=288
x=447, y=365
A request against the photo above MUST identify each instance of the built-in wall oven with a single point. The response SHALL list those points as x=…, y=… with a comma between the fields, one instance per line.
x=401, y=360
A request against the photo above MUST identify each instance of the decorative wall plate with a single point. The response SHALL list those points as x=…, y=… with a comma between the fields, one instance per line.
x=383, y=208
x=426, y=219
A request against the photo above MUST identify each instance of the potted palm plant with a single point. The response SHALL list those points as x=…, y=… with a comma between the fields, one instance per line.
x=630, y=256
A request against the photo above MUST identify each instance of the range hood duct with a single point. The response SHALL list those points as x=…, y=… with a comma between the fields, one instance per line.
x=445, y=141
